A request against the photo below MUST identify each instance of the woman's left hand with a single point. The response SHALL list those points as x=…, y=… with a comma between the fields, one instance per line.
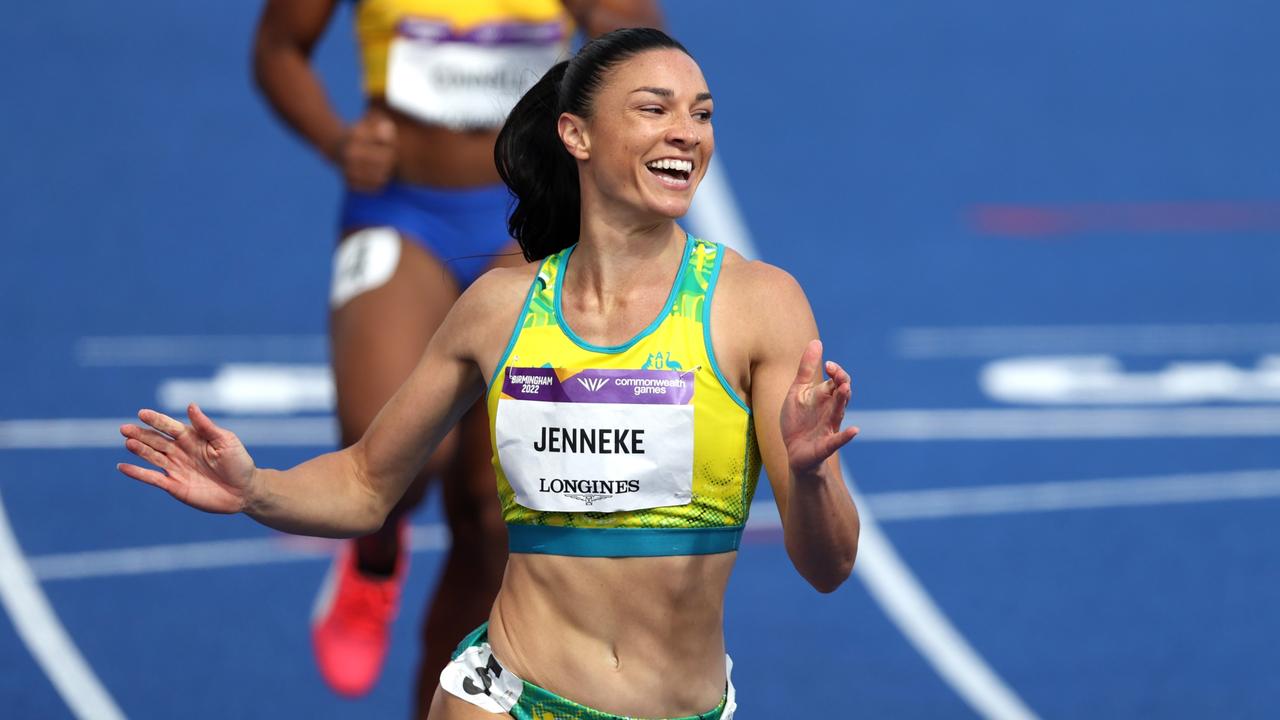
x=813, y=411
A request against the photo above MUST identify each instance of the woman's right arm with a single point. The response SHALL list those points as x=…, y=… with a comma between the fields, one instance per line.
x=286, y=35
x=349, y=492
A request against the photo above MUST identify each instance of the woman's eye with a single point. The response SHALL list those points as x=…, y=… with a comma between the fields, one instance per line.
x=652, y=110
x=703, y=115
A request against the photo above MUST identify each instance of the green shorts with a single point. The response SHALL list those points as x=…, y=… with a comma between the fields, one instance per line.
x=474, y=675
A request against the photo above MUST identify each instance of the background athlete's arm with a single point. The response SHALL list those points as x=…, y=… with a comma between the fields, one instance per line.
x=287, y=33
x=798, y=415
x=344, y=493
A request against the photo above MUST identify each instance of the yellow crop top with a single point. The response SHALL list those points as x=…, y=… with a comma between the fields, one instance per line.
x=639, y=449
x=459, y=63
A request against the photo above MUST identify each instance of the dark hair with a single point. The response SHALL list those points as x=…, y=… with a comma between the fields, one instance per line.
x=530, y=156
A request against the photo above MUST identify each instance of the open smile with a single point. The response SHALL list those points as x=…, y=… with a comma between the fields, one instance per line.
x=671, y=172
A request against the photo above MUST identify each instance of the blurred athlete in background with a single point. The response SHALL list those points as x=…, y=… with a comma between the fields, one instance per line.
x=423, y=216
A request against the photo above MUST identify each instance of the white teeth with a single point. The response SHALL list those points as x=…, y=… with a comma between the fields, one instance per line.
x=671, y=164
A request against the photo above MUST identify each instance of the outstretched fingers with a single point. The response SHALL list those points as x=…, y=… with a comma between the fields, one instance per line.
x=149, y=476
x=837, y=440
x=162, y=422
x=810, y=363
x=837, y=374
x=839, y=401
x=202, y=424
x=158, y=441
x=146, y=452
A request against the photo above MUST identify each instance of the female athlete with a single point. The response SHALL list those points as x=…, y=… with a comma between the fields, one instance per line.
x=636, y=379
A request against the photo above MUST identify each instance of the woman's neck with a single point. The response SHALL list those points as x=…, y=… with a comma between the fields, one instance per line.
x=616, y=258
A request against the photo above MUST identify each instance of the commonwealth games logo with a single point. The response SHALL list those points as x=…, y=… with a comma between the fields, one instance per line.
x=592, y=384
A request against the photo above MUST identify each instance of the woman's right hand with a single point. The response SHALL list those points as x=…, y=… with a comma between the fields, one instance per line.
x=203, y=465
x=366, y=154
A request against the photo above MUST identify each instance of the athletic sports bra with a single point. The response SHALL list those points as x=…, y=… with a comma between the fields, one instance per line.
x=638, y=449
x=458, y=63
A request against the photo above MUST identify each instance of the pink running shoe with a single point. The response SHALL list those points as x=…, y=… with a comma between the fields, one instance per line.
x=351, y=621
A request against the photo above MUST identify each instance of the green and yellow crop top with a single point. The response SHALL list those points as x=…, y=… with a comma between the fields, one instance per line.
x=458, y=63
x=640, y=449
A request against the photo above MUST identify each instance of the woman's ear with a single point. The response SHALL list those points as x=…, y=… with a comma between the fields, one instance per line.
x=573, y=133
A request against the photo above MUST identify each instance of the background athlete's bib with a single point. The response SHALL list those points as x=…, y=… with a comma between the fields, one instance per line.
x=596, y=440
x=471, y=80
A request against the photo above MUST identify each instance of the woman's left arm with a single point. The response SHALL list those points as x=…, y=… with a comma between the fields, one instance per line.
x=798, y=414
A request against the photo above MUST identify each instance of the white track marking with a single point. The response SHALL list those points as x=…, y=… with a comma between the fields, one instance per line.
x=909, y=606
x=967, y=424
x=981, y=424
x=45, y=637
x=929, y=504
x=1138, y=339
x=85, y=433
x=255, y=389
x=169, y=350
x=887, y=507
x=1077, y=495
x=208, y=555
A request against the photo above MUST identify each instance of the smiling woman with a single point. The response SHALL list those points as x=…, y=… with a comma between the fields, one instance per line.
x=667, y=363
x=629, y=139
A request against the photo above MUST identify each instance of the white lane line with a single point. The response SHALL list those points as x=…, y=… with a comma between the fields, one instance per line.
x=1137, y=339
x=908, y=605
x=88, y=433
x=208, y=555
x=906, y=425
x=937, y=503
x=1076, y=495
x=927, y=504
x=170, y=350
x=44, y=636
x=981, y=424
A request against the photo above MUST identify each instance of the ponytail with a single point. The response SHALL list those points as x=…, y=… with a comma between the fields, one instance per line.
x=532, y=159
x=538, y=170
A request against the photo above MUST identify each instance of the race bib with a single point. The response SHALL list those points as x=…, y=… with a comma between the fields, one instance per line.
x=469, y=80
x=596, y=440
x=477, y=677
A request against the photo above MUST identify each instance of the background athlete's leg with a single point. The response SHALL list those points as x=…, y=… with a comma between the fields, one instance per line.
x=478, y=553
x=377, y=338
x=477, y=556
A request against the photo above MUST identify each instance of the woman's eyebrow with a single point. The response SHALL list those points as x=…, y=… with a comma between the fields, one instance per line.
x=667, y=93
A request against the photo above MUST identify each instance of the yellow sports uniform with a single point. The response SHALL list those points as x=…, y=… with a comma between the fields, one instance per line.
x=458, y=63
x=639, y=449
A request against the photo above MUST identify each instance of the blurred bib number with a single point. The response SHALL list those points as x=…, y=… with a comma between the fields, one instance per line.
x=596, y=440
x=467, y=80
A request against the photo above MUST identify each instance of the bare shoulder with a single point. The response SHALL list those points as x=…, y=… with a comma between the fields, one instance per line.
x=483, y=318
x=752, y=282
x=759, y=309
x=500, y=291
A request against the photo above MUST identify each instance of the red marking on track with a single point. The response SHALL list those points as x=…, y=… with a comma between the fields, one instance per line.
x=1046, y=221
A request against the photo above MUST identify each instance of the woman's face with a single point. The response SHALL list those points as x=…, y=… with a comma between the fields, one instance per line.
x=649, y=139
